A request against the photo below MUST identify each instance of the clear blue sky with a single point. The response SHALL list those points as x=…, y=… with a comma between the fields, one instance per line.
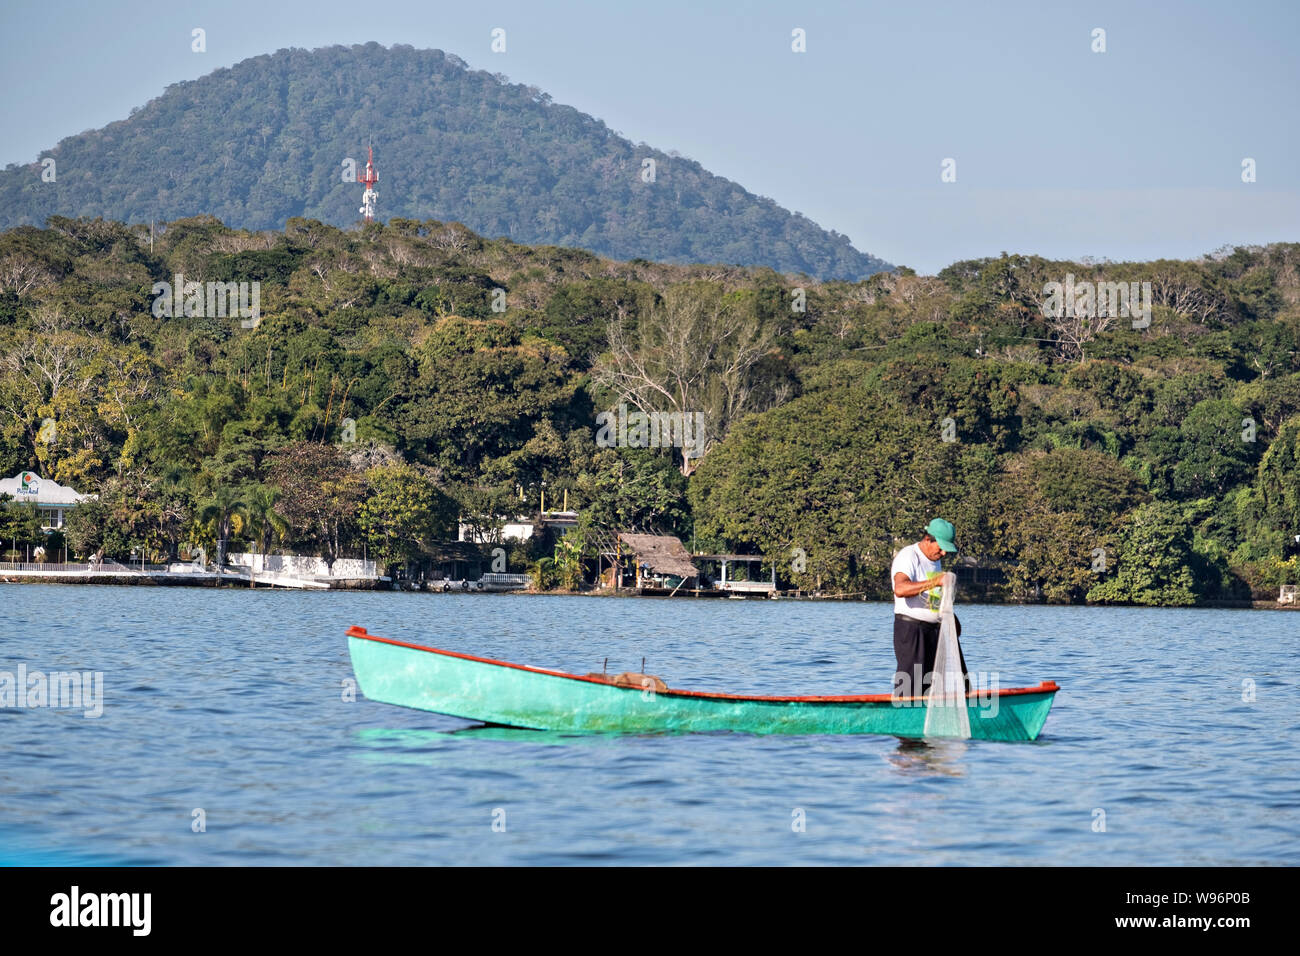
x=1134, y=153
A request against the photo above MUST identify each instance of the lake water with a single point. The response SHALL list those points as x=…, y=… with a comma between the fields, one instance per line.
x=231, y=703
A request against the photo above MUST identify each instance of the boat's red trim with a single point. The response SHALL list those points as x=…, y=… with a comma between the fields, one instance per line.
x=1046, y=687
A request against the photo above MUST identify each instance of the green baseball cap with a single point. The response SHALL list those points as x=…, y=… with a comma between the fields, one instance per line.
x=943, y=532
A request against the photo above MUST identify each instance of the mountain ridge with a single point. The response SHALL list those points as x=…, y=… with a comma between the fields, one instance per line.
x=266, y=140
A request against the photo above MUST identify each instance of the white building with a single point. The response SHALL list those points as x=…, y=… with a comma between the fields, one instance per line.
x=519, y=528
x=51, y=499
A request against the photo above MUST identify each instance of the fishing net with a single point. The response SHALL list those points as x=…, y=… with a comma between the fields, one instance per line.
x=945, y=703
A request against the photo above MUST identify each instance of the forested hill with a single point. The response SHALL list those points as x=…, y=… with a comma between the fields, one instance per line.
x=405, y=374
x=265, y=141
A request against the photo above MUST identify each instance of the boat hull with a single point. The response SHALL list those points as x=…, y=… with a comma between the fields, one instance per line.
x=512, y=695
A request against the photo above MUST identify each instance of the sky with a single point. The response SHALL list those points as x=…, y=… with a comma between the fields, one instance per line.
x=1059, y=149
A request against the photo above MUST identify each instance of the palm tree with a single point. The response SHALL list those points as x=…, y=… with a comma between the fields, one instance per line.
x=220, y=509
x=264, y=521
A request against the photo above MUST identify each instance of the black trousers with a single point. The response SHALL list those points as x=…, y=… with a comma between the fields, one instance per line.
x=915, y=645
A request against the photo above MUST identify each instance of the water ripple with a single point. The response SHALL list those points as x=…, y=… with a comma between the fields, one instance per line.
x=225, y=738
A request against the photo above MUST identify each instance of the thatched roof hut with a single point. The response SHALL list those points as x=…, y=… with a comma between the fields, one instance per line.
x=660, y=553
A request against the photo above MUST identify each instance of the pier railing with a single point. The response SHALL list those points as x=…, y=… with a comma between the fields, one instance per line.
x=63, y=567
x=500, y=580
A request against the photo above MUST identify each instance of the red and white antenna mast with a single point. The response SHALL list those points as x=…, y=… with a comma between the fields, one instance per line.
x=369, y=197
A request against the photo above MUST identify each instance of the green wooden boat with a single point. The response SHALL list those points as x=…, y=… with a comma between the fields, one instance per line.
x=514, y=695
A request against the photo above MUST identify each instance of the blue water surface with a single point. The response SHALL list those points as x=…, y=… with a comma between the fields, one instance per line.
x=1172, y=741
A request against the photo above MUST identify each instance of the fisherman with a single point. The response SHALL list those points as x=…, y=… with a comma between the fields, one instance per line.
x=916, y=607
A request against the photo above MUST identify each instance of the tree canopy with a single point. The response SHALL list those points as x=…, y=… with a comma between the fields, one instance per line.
x=400, y=377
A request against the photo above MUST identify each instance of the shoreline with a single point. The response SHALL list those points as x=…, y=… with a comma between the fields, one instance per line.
x=205, y=579
x=212, y=581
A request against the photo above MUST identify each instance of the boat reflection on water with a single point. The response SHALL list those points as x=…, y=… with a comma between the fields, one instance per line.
x=912, y=753
x=929, y=757
x=411, y=741
x=527, y=736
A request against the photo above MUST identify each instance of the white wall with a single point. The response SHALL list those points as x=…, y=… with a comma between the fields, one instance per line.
x=304, y=565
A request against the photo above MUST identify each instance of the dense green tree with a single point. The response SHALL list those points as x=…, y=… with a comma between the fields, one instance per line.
x=1218, y=449
x=20, y=528
x=89, y=530
x=1278, y=482
x=578, y=314
x=1155, y=560
x=404, y=514
x=634, y=489
x=1055, y=519
x=479, y=392
x=837, y=481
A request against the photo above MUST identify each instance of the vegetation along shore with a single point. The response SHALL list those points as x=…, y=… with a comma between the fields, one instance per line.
x=426, y=402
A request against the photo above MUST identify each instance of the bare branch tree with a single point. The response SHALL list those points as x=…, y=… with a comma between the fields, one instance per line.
x=694, y=352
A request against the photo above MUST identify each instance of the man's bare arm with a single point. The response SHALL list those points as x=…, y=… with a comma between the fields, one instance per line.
x=905, y=587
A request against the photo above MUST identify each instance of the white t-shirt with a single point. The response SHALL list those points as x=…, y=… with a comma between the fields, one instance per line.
x=911, y=562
